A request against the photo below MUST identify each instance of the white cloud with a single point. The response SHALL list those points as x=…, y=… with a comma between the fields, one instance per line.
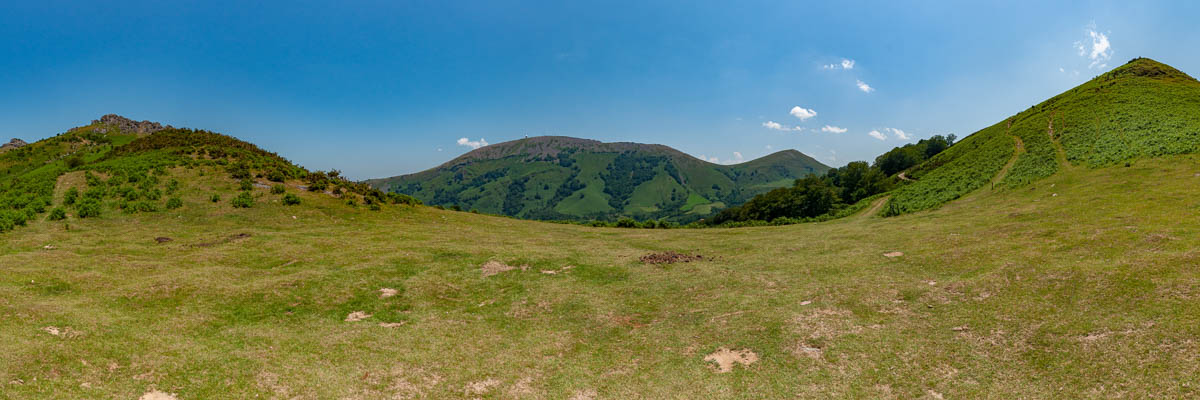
x=833, y=129
x=845, y=64
x=803, y=113
x=877, y=135
x=899, y=134
x=737, y=159
x=1099, y=51
x=863, y=86
x=472, y=144
x=774, y=125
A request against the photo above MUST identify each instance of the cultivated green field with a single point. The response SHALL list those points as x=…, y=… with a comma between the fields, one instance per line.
x=1082, y=284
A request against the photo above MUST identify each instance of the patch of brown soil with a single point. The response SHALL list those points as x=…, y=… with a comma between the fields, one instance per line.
x=481, y=387
x=157, y=395
x=826, y=324
x=387, y=292
x=494, y=267
x=893, y=254
x=669, y=257
x=357, y=316
x=586, y=394
x=60, y=332
x=391, y=324
x=726, y=358
x=162, y=239
x=802, y=349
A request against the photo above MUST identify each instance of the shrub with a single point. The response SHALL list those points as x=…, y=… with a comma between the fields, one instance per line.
x=216, y=198
x=627, y=222
x=88, y=208
x=71, y=196
x=174, y=203
x=291, y=199
x=276, y=176
x=243, y=200
x=172, y=186
x=246, y=185
x=75, y=161
x=278, y=189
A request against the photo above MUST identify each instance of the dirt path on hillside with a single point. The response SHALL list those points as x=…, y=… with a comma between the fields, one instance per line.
x=1059, y=153
x=904, y=177
x=873, y=209
x=1020, y=149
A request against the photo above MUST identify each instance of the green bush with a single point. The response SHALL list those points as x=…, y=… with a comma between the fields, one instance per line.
x=88, y=208
x=58, y=214
x=216, y=198
x=291, y=199
x=71, y=196
x=174, y=203
x=246, y=185
x=243, y=200
x=278, y=189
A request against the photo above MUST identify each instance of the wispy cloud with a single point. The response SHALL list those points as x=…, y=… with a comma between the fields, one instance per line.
x=877, y=135
x=863, y=86
x=803, y=113
x=833, y=129
x=1099, y=51
x=845, y=64
x=899, y=134
x=779, y=127
x=737, y=159
x=474, y=144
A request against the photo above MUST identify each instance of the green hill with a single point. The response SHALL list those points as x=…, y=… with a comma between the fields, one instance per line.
x=563, y=178
x=1141, y=109
x=115, y=165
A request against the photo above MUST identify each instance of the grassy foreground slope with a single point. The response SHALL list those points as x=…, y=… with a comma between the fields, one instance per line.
x=1083, y=284
x=1138, y=110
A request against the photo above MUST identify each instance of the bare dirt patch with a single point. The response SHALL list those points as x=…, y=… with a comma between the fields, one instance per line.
x=803, y=349
x=494, y=267
x=481, y=387
x=391, y=324
x=157, y=395
x=357, y=316
x=162, y=239
x=893, y=254
x=726, y=358
x=670, y=257
x=586, y=394
x=60, y=332
x=387, y=292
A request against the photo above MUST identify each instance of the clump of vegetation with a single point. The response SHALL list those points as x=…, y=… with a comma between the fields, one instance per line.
x=215, y=198
x=88, y=208
x=278, y=189
x=174, y=203
x=243, y=200
x=57, y=214
x=291, y=199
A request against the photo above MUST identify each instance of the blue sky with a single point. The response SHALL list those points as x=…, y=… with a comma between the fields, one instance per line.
x=391, y=87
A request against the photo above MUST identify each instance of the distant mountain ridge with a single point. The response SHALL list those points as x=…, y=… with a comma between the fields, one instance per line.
x=559, y=177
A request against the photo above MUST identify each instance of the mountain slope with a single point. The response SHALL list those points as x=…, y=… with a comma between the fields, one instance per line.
x=1141, y=109
x=115, y=165
x=555, y=177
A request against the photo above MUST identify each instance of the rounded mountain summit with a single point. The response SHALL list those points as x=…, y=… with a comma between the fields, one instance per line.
x=565, y=178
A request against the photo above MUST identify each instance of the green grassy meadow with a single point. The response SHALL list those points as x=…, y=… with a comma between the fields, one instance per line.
x=1080, y=284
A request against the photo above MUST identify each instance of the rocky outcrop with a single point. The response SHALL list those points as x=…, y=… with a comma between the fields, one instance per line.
x=13, y=144
x=127, y=125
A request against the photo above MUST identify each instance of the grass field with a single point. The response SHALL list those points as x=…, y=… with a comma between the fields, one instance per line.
x=1083, y=284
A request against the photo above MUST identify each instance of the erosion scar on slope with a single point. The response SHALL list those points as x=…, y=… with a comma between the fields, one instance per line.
x=1059, y=153
x=1020, y=148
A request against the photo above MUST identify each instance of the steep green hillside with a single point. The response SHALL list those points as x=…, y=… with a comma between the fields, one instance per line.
x=1141, y=109
x=562, y=178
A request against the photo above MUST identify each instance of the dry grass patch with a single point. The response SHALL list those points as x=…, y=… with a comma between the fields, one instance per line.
x=724, y=359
